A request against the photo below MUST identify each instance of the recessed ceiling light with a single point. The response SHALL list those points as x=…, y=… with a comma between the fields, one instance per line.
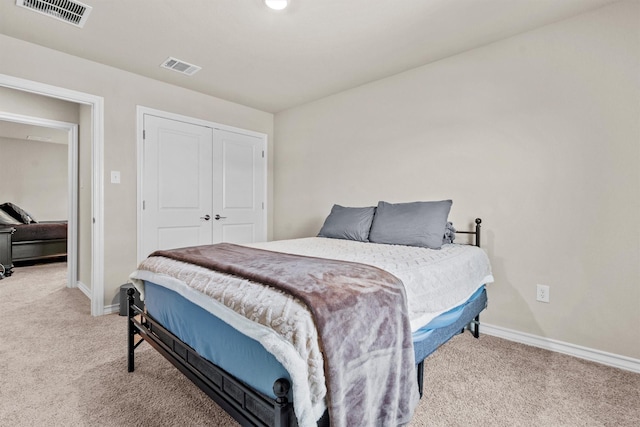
x=276, y=4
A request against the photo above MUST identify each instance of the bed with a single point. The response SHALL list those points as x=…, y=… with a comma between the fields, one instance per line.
x=38, y=241
x=274, y=387
x=33, y=240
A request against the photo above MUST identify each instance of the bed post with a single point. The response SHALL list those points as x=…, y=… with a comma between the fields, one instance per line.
x=476, y=327
x=131, y=332
x=420, y=372
x=281, y=388
x=476, y=321
x=475, y=233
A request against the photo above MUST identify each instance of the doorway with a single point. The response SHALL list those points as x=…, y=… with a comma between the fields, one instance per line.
x=15, y=126
x=96, y=114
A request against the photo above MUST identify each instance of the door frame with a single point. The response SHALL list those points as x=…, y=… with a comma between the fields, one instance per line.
x=72, y=184
x=97, y=185
x=141, y=111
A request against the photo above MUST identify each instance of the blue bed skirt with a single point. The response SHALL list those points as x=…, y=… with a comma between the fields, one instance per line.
x=440, y=330
x=247, y=360
x=216, y=341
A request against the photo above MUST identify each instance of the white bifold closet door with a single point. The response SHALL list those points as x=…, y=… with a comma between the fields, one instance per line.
x=200, y=185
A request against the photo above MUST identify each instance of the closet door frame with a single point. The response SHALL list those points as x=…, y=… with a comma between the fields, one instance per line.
x=140, y=113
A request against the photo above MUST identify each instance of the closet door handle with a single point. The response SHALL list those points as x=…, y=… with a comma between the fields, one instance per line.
x=218, y=217
x=206, y=217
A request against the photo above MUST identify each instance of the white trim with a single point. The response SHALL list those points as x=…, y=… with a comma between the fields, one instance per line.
x=85, y=289
x=72, y=187
x=609, y=359
x=97, y=198
x=72, y=229
x=112, y=308
x=265, y=189
x=97, y=193
x=140, y=113
x=141, y=110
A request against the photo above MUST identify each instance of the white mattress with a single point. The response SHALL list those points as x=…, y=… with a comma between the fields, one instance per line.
x=435, y=280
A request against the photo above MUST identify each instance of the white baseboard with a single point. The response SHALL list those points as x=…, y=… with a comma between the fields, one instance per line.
x=113, y=308
x=108, y=309
x=84, y=288
x=610, y=359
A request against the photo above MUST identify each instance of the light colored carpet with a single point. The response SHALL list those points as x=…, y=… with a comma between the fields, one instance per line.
x=61, y=367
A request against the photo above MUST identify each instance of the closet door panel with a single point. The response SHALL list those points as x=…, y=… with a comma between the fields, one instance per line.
x=177, y=184
x=238, y=191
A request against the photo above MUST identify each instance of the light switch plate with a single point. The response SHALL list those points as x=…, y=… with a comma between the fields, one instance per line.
x=115, y=177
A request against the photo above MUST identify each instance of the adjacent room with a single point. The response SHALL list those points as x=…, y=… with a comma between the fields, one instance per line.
x=477, y=162
x=34, y=185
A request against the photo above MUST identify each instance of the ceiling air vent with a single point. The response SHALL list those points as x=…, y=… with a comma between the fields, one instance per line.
x=180, y=66
x=71, y=12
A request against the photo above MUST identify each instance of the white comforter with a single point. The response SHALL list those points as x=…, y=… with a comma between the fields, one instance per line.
x=435, y=281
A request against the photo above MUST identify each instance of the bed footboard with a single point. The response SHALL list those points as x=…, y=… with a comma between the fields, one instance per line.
x=246, y=405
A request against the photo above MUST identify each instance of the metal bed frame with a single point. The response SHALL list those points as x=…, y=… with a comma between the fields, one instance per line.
x=246, y=405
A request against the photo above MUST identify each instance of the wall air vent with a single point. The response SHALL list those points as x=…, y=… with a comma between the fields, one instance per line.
x=180, y=66
x=71, y=12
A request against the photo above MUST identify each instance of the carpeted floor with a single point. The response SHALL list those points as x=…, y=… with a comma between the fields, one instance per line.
x=61, y=367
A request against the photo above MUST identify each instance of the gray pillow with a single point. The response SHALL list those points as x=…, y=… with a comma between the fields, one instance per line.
x=348, y=223
x=413, y=224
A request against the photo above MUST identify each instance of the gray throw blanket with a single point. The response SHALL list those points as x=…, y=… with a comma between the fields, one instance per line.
x=360, y=312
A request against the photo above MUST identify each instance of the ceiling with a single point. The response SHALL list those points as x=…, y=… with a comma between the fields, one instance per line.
x=275, y=60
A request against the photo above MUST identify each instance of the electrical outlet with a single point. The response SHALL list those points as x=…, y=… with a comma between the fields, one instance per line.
x=542, y=293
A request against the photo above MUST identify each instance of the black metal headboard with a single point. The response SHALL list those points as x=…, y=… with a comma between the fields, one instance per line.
x=476, y=232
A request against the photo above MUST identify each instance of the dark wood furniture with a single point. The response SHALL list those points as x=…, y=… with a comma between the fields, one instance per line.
x=6, y=257
x=39, y=249
x=38, y=241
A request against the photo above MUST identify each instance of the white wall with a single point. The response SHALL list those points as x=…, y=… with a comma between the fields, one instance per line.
x=27, y=164
x=29, y=104
x=122, y=92
x=537, y=134
x=33, y=176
